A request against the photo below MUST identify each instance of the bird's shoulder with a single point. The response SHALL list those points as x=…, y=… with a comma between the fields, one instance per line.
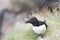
x=43, y=23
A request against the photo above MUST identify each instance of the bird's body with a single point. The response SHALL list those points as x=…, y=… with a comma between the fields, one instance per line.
x=40, y=29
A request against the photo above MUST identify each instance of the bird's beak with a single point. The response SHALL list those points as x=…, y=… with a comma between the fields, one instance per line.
x=26, y=21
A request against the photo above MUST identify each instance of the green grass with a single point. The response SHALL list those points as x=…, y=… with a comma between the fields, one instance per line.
x=53, y=31
x=25, y=32
x=21, y=33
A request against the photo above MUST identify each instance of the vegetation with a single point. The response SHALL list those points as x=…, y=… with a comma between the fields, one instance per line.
x=32, y=4
x=24, y=31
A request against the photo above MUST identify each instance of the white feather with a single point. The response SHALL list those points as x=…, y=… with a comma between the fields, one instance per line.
x=40, y=30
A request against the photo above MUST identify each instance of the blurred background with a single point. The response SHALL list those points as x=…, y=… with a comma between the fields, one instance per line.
x=14, y=13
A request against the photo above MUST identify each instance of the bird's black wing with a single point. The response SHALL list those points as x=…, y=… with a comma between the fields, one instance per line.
x=43, y=22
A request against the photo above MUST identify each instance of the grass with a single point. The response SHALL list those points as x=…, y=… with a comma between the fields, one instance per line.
x=53, y=28
x=25, y=32
x=21, y=33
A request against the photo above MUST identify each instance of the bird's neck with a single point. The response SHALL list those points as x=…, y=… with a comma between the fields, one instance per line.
x=36, y=24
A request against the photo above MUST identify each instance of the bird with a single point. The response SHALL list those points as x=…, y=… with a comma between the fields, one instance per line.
x=39, y=27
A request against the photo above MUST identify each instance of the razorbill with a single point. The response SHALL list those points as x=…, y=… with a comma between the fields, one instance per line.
x=39, y=27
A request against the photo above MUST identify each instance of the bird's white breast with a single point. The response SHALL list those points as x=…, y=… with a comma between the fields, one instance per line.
x=39, y=30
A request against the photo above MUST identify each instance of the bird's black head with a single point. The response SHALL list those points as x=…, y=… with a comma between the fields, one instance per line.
x=33, y=21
